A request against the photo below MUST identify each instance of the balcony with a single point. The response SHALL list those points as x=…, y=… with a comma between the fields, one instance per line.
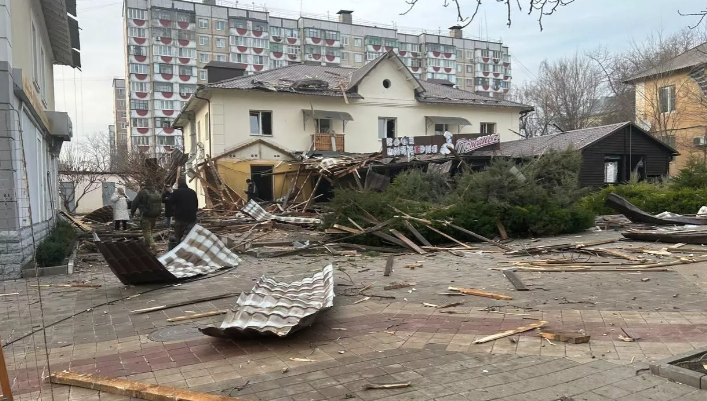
x=259, y=34
x=332, y=59
x=445, y=70
x=138, y=41
x=164, y=60
x=446, y=56
x=332, y=43
x=140, y=113
x=140, y=131
x=326, y=142
x=482, y=74
x=256, y=67
x=165, y=96
x=186, y=79
x=166, y=131
x=139, y=95
x=189, y=26
x=186, y=61
x=137, y=59
x=137, y=23
x=164, y=77
x=166, y=113
x=187, y=43
x=139, y=77
x=313, y=57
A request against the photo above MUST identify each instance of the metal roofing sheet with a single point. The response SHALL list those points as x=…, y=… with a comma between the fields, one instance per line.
x=254, y=210
x=327, y=114
x=201, y=252
x=133, y=263
x=100, y=215
x=278, y=308
x=448, y=120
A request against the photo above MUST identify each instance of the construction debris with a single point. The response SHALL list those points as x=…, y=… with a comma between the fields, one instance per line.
x=370, y=386
x=637, y=215
x=450, y=305
x=183, y=303
x=479, y=293
x=86, y=285
x=198, y=315
x=513, y=278
x=510, y=332
x=389, y=266
x=396, y=286
x=278, y=308
x=567, y=337
x=696, y=236
x=100, y=215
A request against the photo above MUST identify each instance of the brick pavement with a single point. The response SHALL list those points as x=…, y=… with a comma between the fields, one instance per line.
x=375, y=336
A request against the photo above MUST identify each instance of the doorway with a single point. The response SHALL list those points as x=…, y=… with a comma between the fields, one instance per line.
x=386, y=127
x=108, y=190
x=263, y=179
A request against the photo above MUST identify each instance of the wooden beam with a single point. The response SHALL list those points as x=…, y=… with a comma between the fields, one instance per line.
x=407, y=242
x=198, y=315
x=479, y=293
x=128, y=388
x=182, y=303
x=513, y=278
x=510, y=332
x=416, y=233
x=480, y=237
x=448, y=237
x=4, y=379
x=314, y=190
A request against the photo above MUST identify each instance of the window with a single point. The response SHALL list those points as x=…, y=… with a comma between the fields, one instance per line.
x=293, y=50
x=161, y=50
x=312, y=50
x=186, y=70
x=261, y=122
x=260, y=43
x=202, y=75
x=162, y=122
x=121, y=103
x=35, y=55
x=611, y=169
x=497, y=83
x=140, y=123
x=415, y=62
x=123, y=114
x=344, y=56
x=123, y=125
x=276, y=47
x=666, y=97
x=386, y=127
x=165, y=140
x=239, y=24
x=357, y=42
x=158, y=14
x=186, y=89
x=358, y=58
x=345, y=40
x=497, y=68
x=259, y=27
x=440, y=129
x=505, y=85
x=291, y=33
x=239, y=41
x=134, y=13
x=136, y=32
x=374, y=40
x=470, y=68
x=220, y=57
x=332, y=52
x=239, y=58
x=220, y=43
x=164, y=105
x=496, y=54
x=203, y=40
x=121, y=92
x=137, y=50
x=139, y=68
x=488, y=128
x=469, y=83
x=204, y=57
x=460, y=53
x=184, y=18
x=258, y=60
x=277, y=63
x=485, y=53
x=332, y=35
x=312, y=33
x=139, y=105
x=470, y=54
x=141, y=140
x=485, y=67
x=275, y=31
x=203, y=23
x=139, y=87
x=323, y=125
x=220, y=25
x=163, y=87
x=460, y=67
x=164, y=68
x=371, y=56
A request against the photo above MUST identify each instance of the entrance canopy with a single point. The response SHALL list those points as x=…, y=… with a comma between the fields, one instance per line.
x=447, y=121
x=325, y=115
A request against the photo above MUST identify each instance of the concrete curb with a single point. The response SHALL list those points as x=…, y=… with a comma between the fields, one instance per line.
x=668, y=370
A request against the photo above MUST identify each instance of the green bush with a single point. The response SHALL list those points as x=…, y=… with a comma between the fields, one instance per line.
x=693, y=175
x=56, y=246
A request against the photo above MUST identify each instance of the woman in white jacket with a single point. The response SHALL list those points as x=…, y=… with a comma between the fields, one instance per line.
x=121, y=214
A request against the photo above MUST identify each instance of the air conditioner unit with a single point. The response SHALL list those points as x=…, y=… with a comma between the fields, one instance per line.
x=158, y=38
x=699, y=141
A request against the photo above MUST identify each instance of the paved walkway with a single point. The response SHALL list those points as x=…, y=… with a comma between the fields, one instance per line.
x=375, y=341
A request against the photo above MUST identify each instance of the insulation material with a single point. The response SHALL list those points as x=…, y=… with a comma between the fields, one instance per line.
x=201, y=252
x=278, y=308
x=254, y=210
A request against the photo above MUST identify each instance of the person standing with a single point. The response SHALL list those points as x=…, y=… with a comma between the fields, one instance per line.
x=149, y=202
x=168, y=207
x=185, y=204
x=252, y=190
x=121, y=214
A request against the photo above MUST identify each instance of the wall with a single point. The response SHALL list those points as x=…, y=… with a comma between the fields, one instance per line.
x=235, y=172
x=230, y=115
x=94, y=197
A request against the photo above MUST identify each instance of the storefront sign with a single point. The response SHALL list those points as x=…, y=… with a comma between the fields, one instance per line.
x=437, y=144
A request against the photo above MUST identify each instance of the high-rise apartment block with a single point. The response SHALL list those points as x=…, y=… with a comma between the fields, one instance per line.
x=168, y=43
x=120, y=118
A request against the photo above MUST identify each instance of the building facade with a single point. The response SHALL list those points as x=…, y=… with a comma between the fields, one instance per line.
x=300, y=108
x=35, y=35
x=169, y=42
x=120, y=116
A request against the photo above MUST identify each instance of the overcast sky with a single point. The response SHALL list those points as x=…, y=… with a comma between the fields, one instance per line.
x=582, y=26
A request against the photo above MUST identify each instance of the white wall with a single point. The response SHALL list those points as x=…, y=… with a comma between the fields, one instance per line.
x=230, y=115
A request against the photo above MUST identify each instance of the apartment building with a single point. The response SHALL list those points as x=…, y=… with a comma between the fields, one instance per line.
x=169, y=42
x=35, y=35
x=120, y=117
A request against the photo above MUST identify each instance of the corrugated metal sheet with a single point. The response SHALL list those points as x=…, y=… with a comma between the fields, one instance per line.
x=133, y=263
x=201, y=252
x=273, y=307
x=102, y=215
x=254, y=210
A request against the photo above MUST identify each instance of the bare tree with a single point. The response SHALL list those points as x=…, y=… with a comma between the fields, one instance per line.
x=540, y=7
x=82, y=169
x=134, y=168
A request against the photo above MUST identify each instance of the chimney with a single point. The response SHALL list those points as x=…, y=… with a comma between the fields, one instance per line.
x=455, y=31
x=221, y=70
x=209, y=2
x=345, y=16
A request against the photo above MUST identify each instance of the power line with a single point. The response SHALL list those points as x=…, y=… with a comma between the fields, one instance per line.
x=524, y=67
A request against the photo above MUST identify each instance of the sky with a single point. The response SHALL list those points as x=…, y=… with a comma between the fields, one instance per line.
x=579, y=27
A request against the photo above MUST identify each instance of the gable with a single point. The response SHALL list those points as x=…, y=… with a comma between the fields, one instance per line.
x=400, y=88
x=258, y=149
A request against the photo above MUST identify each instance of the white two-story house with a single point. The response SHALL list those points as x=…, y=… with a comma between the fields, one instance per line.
x=35, y=35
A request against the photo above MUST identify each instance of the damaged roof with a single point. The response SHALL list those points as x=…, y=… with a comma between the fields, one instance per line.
x=691, y=58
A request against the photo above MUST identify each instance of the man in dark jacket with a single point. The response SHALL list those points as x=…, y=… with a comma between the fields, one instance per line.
x=185, y=204
x=168, y=207
x=252, y=190
x=149, y=202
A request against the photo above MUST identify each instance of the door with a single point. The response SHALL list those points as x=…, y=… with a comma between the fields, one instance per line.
x=68, y=198
x=263, y=179
x=108, y=190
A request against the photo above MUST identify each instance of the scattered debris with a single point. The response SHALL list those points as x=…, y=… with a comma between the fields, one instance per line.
x=430, y=305
x=302, y=360
x=413, y=266
x=183, y=303
x=510, y=332
x=450, y=305
x=637, y=215
x=567, y=337
x=370, y=386
x=198, y=315
x=364, y=299
x=396, y=286
x=479, y=293
x=87, y=285
x=9, y=294
x=513, y=278
x=389, y=266
x=645, y=279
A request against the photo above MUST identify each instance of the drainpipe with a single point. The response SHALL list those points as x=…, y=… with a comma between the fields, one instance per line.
x=208, y=122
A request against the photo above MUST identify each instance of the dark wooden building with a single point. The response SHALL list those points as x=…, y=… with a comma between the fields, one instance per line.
x=610, y=153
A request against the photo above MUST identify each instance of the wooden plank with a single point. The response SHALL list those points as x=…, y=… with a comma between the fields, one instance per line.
x=480, y=237
x=510, y=332
x=358, y=180
x=128, y=388
x=390, y=239
x=479, y=293
x=448, y=237
x=347, y=229
x=314, y=191
x=183, y=303
x=198, y=315
x=501, y=229
x=407, y=242
x=416, y=233
x=513, y=278
x=4, y=378
x=566, y=337
x=389, y=265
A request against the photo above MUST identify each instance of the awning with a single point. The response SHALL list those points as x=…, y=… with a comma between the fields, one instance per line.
x=326, y=114
x=448, y=120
